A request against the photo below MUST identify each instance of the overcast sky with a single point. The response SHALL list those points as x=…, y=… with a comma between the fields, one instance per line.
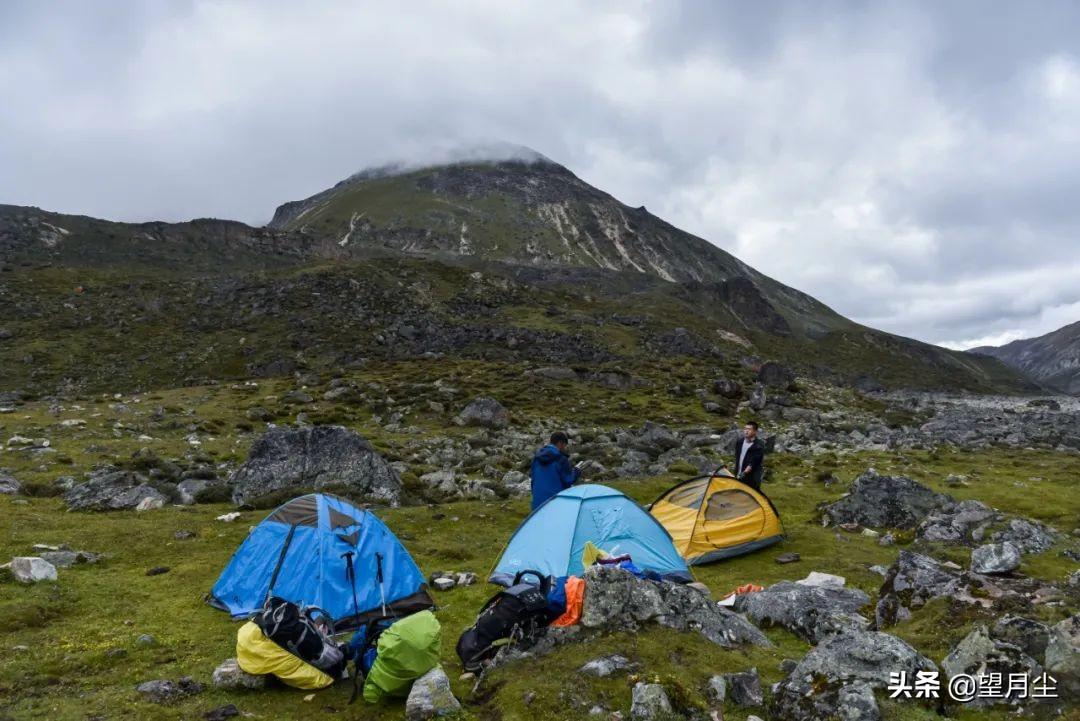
x=914, y=165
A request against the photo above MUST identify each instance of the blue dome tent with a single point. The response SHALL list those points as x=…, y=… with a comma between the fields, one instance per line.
x=303, y=552
x=551, y=540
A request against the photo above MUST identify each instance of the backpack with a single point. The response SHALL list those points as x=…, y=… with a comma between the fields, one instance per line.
x=294, y=629
x=511, y=616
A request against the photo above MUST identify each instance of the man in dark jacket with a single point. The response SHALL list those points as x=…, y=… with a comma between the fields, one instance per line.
x=551, y=471
x=750, y=457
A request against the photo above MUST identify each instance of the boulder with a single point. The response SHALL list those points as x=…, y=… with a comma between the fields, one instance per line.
x=884, y=502
x=66, y=559
x=229, y=675
x=995, y=558
x=962, y=522
x=813, y=613
x=650, y=702
x=758, y=399
x=8, y=485
x=31, y=569
x=837, y=677
x=912, y=581
x=1030, y=635
x=774, y=375
x=431, y=697
x=555, y=373
x=978, y=653
x=1029, y=536
x=112, y=489
x=485, y=413
x=314, y=458
x=1063, y=656
x=654, y=439
x=727, y=388
x=616, y=599
x=606, y=666
x=744, y=689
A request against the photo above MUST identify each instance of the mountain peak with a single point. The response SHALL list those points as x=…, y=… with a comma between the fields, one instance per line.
x=489, y=153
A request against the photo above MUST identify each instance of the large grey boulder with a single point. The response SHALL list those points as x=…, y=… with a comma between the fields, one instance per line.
x=31, y=569
x=1030, y=635
x=963, y=522
x=649, y=702
x=654, y=439
x=744, y=688
x=229, y=675
x=837, y=677
x=810, y=612
x=995, y=558
x=616, y=599
x=315, y=458
x=113, y=489
x=912, y=581
x=775, y=375
x=8, y=485
x=885, y=502
x=431, y=697
x=1029, y=536
x=977, y=654
x=485, y=413
x=1063, y=656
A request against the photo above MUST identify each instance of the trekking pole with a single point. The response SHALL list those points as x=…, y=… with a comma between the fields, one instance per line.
x=379, y=578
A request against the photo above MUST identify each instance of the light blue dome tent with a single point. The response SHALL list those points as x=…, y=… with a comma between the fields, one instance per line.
x=304, y=552
x=552, y=539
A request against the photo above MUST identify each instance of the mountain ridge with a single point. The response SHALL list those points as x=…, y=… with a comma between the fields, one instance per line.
x=1052, y=359
x=536, y=232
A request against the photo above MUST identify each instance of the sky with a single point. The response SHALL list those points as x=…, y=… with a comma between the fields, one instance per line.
x=914, y=165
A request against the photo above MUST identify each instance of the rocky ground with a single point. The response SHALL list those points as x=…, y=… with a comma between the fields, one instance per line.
x=949, y=518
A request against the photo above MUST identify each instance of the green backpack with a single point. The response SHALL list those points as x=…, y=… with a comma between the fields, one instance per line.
x=407, y=650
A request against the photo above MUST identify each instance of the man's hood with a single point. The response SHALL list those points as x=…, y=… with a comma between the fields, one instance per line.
x=548, y=454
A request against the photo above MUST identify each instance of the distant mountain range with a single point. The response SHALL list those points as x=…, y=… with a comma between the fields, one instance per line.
x=1052, y=360
x=556, y=242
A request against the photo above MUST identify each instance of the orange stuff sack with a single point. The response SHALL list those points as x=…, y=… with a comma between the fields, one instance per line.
x=575, y=598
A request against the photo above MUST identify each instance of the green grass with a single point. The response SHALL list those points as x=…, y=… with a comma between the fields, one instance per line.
x=73, y=627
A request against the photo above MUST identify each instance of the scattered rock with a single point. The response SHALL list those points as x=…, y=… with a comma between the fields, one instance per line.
x=444, y=583
x=222, y=712
x=963, y=522
x=485, y=413
x=884, y=502
x=314, y=458
x=229, y=517
x=157, y=570
x=717, y=689
x=8, y=485
x=995, y=558
x=229, y=675
x=649, y=702
x=654, y=439
x=1029, y=635
x=145, y=639
x=744, y=689
x=67, y=559
x=183, y=535
x=616, y=599
x=112, y=489
x=150, y=503
x=823, y=580
x=912, y=581
x=32, y=569
x=791, y=557
x=978, y=653
x=1063, y=655
x=775, y=375
x=431, y=697
x=727, y=388
x=606, y=666
x=811, y=612
x=168, y=691
x=1029, y=536
x=837, y=677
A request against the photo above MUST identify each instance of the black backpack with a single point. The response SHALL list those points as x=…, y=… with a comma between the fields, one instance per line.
x=509, y=617
x=295, y=630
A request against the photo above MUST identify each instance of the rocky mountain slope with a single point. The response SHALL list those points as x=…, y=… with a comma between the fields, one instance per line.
x=520, y=261
x=1052, y=360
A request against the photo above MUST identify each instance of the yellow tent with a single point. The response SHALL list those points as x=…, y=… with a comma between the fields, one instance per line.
x=714, y=517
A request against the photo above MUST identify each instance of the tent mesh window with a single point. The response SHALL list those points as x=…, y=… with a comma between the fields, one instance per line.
x=731, y=503
x=688, y=496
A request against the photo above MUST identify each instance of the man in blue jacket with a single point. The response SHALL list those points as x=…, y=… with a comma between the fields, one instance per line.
x=551, y=470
